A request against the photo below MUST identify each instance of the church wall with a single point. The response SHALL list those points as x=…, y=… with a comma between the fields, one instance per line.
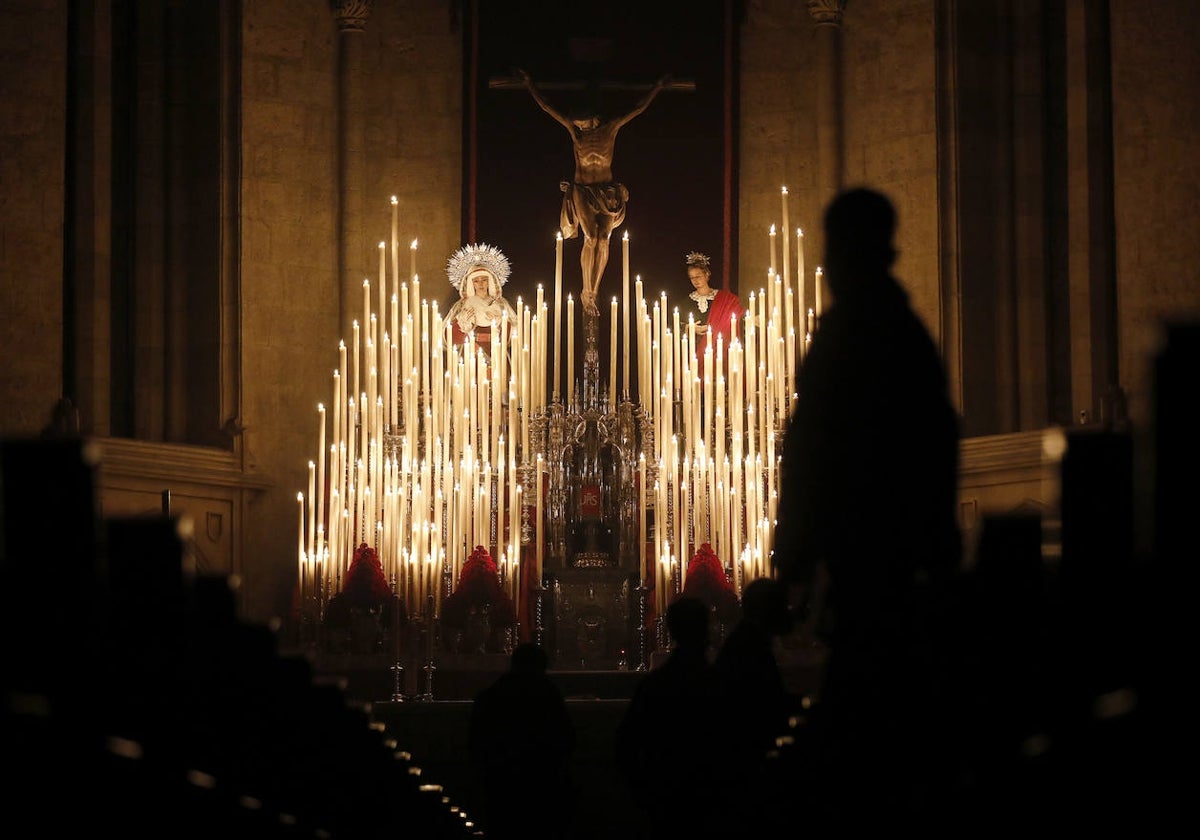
x=414, y=137
x=777, y=139
x=890, y=138
x=407, y=63
x=1156, y=131
x=889, y=131
x=33, y=37
x=288, y=266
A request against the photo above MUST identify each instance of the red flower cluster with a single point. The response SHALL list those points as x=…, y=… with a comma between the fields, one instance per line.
x=707, y=582
x=479, y=586
x=365, y=584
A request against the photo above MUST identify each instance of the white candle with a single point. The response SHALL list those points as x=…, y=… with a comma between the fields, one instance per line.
x=800, y=279
x=778, y=302
x=514, y=391
x=773, y=248
x=404, y=302
x=528, y=358
x=348, y=460
x=355, y=392
x=558, y=245
x=320, y=465
x=382, y=284
x=787, y=256
x=514, y=527
x=364, y=425
x=416, y=294
x=366, y=322
x=395, y=333
x=335, y=502
x=674, y=358
x=300, y=567
x=339, y=393
x=612, y=360
x=817, y=295
x=538, y=514
x=625, y=316
x=791, y=363
x=685, y=388
x=643, y=344
x=526, y=367
x=655, y=383
x=570, y=350
x=385, y=356
x=372, y=387
x=709, y=407
x=501, y=492
x=641, y=506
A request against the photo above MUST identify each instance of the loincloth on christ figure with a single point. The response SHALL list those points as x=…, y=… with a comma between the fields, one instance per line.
x=591, y=200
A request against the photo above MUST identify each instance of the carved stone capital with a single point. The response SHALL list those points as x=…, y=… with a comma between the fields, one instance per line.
x=827, y=12
x=351, y=15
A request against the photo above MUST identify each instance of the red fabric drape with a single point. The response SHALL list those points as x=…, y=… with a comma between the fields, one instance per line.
x=724, y=313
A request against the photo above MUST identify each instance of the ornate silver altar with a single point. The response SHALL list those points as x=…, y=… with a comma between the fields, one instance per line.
x=593, y=451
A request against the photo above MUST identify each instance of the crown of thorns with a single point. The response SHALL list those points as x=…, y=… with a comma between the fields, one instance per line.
x=695, y=258
x=477, y=256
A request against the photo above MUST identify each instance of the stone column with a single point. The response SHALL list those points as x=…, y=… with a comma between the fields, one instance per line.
x=351, y=17
x=830, y=152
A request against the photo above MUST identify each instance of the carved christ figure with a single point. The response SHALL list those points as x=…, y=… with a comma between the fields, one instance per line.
x=594, y=202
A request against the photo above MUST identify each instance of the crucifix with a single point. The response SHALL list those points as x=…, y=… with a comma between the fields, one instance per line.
x=593, y=202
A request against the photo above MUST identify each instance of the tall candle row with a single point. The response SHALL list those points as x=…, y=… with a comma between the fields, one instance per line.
x=421, y=463
x=799, y=320
x=419, y=456
x=721, y=484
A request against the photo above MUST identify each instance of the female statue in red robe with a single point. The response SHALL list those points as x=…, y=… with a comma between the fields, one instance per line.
x=718, y=311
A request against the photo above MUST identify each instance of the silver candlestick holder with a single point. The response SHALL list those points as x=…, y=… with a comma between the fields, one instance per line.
x=426, y=696
x=398, y=682
x=642, y=653
x=539, y=594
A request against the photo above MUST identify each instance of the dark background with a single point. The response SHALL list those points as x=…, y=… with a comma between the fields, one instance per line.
x=675, y=158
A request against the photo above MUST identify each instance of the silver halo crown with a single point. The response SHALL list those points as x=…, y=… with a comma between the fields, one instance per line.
x=473, y=256
x=697, y=260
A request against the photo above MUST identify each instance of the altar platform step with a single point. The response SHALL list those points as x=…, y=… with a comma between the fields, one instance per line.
x=371, y=678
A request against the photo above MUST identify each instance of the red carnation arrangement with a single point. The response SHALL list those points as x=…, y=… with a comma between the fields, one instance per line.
x=365, y=584
x=707, y=582
x=365, y=588
x=478, y=587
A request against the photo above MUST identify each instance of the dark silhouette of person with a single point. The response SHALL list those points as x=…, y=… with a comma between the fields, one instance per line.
x=1008, y=636
x=520, y=741
x=757, y=701
x=670, y=743
x=868, y=496
x=754, y=687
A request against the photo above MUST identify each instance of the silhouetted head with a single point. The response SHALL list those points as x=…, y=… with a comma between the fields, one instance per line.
x=529, y=658
x=859, y=226
x=687, y=622
x=765, y=602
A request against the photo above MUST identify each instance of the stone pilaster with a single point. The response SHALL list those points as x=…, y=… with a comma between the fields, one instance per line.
x=351, y=17
x=828, y=16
